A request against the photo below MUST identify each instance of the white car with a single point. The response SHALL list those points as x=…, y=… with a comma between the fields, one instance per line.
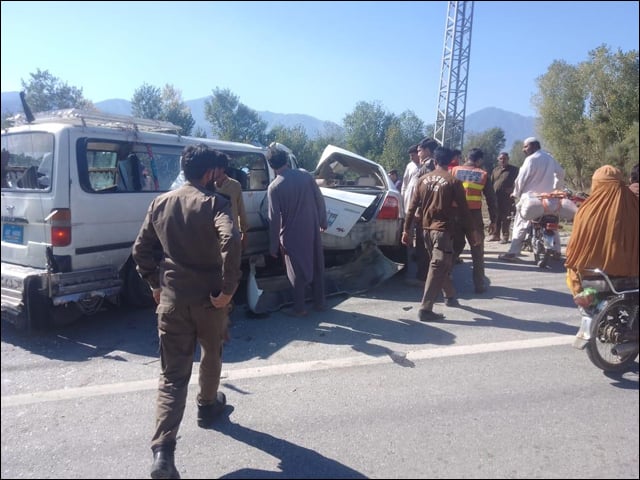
x=355, y=180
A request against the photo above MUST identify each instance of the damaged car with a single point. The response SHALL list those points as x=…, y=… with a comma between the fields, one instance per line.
x=360, y=190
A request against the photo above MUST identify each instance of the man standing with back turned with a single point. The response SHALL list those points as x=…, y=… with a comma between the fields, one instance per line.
x=297, y=217
x=476, y=183
x=435, y=198
x=193, y=282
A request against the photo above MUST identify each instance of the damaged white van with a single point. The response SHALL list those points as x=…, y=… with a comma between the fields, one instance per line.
x=75, y=189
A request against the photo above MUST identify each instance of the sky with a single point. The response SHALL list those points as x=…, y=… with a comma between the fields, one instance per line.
x=314, y=58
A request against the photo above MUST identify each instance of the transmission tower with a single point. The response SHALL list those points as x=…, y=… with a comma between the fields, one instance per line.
x=452, y=96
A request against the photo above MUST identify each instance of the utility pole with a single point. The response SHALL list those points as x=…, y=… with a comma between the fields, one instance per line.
x=452, y=96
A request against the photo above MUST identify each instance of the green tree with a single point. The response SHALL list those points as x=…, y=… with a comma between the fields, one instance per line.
x=200, y=133
x=147, y=102
x=297, y=140
x=517, y=156
x=491, y=142
x=403, y=131
x=174, y=109
x=232, y=120
x=612, y=82
x=45, y=92
x=589, y=113
x=150, y=102
x=366, y=128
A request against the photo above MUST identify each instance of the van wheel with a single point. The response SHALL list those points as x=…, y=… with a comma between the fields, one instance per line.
x=136, y=291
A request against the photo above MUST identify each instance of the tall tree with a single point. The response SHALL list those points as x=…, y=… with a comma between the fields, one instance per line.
x=365, y=129
x=297, y=140
x=491, y=142
x=589, y=113
x=404, y=130
x=517, y=156
x=232, y=120
x=174, y=110
x=45, y=92
x=147, y=102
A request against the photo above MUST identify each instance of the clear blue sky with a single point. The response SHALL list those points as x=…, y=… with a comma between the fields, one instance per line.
x=314, y=58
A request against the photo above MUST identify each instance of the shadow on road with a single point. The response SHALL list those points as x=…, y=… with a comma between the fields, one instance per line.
x=295, y=461
x=110, y=333
x=626, y=380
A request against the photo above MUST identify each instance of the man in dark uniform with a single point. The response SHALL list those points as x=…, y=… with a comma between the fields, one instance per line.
x=435, y=198
x=503, y=178
x=193, y=281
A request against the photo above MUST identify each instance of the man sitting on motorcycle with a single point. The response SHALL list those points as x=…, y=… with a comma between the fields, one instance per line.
x=540, y=173
x=605, y=232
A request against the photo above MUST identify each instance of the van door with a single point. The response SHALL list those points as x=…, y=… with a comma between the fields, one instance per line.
x=35, y=185
x=118, y=179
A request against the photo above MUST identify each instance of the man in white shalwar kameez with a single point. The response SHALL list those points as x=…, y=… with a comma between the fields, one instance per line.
x=540, y=173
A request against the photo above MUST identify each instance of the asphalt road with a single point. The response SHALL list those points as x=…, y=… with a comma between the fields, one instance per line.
x=495, y=390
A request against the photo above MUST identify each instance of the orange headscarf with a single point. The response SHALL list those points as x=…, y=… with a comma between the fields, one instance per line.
x=605, y=230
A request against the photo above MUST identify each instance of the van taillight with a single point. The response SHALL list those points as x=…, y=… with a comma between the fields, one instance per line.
x=390, y=209
x=60, y=220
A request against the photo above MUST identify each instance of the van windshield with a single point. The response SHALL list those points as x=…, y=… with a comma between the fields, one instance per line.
x=27, y=161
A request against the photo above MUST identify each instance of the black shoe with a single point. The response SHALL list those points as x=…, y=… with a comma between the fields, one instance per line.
x=451, y=302
x=163, y=465
x=207, y=414
x=480, y=289
x=429, y=316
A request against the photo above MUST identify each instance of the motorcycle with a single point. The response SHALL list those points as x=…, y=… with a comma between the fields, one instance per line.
x=541, y=239
x=609, y=326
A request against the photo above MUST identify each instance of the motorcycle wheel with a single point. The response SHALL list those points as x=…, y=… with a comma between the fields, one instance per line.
x=618, y=319
x=538, y=250
x=544, y=261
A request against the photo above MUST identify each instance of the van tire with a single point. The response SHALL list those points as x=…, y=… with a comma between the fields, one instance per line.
x=136, y=292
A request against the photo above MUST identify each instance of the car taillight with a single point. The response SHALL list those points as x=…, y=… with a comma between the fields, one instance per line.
x=390, y=209
x=60, y=220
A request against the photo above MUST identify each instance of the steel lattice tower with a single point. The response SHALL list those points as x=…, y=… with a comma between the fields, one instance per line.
x=452, y=96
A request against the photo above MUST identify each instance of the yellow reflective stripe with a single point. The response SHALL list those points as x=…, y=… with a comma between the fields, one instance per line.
x=475, y=186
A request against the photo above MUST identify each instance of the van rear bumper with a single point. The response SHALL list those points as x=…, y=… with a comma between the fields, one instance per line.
x=60, y=288
x=13, y=281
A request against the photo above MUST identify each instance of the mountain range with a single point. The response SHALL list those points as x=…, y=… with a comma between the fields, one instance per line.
x=515, y=126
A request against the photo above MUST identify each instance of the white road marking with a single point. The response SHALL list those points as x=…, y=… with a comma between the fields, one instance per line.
x=284, y=369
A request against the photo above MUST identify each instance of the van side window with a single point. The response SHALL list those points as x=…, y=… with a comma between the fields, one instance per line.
x=250, y=169
x=108, y=166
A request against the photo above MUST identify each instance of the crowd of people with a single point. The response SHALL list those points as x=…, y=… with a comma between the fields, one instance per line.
x=200, y=228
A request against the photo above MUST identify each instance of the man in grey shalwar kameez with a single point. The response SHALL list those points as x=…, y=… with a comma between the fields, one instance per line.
x=297, y=216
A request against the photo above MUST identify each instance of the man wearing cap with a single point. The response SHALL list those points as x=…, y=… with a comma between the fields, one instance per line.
x=540, y=173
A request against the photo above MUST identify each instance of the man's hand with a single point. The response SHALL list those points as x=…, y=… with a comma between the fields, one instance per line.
x=405, y=238
x=243, y=240
x=156, y=294
x=220, y=301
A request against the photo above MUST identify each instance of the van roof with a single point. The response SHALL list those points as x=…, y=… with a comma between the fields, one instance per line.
x=73, y=116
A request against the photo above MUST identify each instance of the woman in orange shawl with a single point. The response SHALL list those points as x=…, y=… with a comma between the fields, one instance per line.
x=605, y=230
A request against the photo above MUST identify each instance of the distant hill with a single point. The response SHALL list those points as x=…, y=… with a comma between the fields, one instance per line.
x=515, y=126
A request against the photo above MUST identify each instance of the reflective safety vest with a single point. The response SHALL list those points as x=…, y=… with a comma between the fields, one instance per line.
x=473, y=180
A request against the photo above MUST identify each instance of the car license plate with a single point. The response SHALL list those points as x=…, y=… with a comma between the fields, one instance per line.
x=12, y=233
